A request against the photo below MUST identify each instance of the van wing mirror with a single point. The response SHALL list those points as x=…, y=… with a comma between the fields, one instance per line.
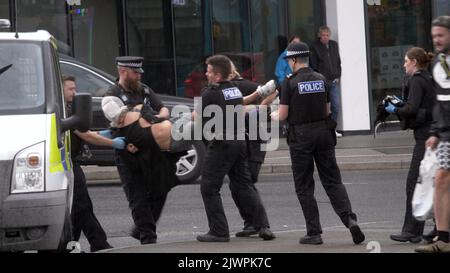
x=81, y=117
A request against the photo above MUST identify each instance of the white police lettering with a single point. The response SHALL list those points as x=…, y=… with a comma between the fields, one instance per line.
x=232, y=93
x=305, y=88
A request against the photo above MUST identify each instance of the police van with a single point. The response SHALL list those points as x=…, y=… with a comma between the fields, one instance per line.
x=36, y=179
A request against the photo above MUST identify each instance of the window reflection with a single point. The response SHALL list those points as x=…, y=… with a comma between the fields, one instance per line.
x=149, y=32
x=47, y=15
x=395, y=26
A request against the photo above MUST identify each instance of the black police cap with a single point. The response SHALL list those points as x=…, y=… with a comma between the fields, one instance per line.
x=297, y=49
x=134, y=63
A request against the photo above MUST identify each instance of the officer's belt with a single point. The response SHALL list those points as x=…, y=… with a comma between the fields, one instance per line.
x=309, y=124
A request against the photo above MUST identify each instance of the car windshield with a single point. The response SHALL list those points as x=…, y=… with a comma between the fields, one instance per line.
x=21, y=77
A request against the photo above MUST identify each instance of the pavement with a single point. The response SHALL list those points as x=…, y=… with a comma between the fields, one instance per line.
x=388, y=150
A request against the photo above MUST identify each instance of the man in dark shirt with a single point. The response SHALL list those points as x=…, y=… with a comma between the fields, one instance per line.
x=82, y=215
x=145, y=208
x=326, y=60
x=440, y=131
x=305, y=105
x=226, y=153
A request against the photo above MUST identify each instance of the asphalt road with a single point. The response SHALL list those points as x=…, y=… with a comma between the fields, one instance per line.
x=378, y=198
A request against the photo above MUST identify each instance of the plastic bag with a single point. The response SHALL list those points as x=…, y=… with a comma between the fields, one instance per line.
x=422, y=203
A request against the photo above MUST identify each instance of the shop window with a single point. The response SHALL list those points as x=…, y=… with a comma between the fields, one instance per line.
x=150, y=35
x=47, y=15
x=95, y=33
x=394, y=27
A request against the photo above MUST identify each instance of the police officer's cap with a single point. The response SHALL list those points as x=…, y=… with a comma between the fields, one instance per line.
x=297, y=49
x=134, y=63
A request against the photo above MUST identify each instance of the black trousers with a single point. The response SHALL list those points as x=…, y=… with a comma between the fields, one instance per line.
x=254, y=168
x=410, y=224
x=83, y=217
x=311, y=143
x=146, y=207
x=222, y=158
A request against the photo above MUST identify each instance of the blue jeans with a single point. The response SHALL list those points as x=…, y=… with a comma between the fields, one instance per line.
x=335, y=98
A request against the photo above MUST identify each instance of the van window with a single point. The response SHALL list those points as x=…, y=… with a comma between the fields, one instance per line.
x=21, y=78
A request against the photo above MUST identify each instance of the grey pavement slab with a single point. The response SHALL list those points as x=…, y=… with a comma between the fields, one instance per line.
x=336, y=240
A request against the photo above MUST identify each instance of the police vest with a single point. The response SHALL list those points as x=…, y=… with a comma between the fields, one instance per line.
x=308, y=92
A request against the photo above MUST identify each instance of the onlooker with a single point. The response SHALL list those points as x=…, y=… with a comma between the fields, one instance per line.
x=82, y=215
x=416, y=114
x=440, y=132
x=326, y=60
x=282, y=69
x=305, y=105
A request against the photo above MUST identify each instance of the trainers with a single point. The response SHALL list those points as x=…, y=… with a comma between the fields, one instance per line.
x=338, y=135
x=209, y=238
x=247, y=232
x=266, y=234
x=438, y=247
x=311, y=240
x=357, y=235
x=101, y=247
x=406, y=237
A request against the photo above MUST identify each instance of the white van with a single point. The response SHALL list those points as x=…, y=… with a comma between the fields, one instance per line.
x=36, y=178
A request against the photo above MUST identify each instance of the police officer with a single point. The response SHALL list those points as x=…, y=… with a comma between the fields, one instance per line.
x=145, y=208
x=305, y=105
x=82, y=216
x=255, y=155
x=226, y=154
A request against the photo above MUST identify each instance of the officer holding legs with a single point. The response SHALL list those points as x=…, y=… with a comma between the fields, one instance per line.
x=226, y=153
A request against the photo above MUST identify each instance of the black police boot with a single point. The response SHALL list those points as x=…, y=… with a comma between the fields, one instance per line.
x=406, y=237
x=134, y=232
x=266, y=234
x=311, y=240
x=357, y=235
x=247, y=232
x=210, y=238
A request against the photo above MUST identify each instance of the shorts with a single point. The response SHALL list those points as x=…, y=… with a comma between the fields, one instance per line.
x=443, y=155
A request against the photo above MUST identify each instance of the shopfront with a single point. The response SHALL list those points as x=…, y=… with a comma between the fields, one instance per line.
x=174, y=36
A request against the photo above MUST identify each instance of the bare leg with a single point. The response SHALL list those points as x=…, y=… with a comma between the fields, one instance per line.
x=442, y=200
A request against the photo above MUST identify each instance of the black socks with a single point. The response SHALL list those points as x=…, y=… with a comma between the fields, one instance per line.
x=443, y=236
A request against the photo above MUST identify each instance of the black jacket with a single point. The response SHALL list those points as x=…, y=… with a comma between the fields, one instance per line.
x=326, y=61
x=419, y=96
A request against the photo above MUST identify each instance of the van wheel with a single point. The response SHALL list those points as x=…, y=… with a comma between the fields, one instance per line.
x=189, y=167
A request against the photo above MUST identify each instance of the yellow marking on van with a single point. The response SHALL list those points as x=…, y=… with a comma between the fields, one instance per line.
x=56, y=165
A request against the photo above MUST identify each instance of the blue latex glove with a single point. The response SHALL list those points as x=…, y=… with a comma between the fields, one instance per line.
x=401, y=102
x=390, y=108
x=106, y=133
x=119, y=143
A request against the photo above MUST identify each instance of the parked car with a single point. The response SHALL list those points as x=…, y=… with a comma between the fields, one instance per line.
x=96, y=82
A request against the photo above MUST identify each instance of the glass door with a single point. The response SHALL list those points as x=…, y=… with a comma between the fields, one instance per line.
x=150, y=35
x=394, y=27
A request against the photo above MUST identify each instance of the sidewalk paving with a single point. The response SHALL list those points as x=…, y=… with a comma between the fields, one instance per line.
x=336, y=240
x=389, y=150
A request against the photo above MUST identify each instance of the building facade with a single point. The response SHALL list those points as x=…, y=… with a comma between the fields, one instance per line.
x=175, y=37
